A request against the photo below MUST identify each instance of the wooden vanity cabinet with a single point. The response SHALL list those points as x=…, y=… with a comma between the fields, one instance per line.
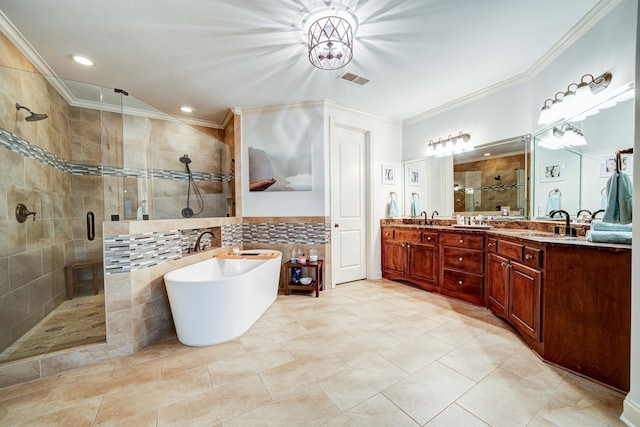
x=570, y=301
x=462, y=266
x=514, y=285
x=411, y=255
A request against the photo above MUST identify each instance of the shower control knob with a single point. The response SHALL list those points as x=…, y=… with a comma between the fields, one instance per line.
x=22, y=213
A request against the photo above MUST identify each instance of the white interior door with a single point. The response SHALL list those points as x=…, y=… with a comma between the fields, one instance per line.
x=348, y=201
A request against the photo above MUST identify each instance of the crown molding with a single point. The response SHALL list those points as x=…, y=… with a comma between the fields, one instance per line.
x=362, y=113
x=193, y=122
x=520, y=78
x=230, y=113
x=281, y=107
x=18, y=40
x=594, y=16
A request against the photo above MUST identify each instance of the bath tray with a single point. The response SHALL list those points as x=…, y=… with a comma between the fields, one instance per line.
x=248, y=255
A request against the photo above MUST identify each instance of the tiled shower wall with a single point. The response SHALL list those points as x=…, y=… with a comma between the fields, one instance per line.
x=32, y=254
x=56, y=167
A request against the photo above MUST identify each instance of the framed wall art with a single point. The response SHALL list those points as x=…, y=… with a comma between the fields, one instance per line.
x=388, y=174
x=552, y=171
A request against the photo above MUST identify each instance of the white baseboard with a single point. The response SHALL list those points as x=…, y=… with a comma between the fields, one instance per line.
x=631, y=413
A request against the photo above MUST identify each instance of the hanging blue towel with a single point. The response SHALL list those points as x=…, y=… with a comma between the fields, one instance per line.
x=553, y=203
x=415, y=205
x=393, y=207
x=619, y=199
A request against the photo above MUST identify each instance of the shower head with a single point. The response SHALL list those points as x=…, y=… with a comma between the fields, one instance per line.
x=185, y=159
x=34, y=117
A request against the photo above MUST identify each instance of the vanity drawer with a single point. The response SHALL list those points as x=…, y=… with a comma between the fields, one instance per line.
x=387, y=234
x=470, y=241
x=533, y=257
x=470, y=261
x=492, y=244
x=510, y=250
x=462, y=283
x=429, y=238
x=408, y=235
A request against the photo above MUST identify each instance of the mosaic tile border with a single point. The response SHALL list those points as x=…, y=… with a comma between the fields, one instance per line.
x=127, y=253
x=18, y=145
x=287, y=233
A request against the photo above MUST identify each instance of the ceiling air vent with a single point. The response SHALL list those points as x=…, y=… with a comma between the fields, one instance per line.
x=354, y=79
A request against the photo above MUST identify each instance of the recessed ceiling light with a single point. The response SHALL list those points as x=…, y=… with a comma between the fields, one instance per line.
x=486, y=154
x=82, y=60
x=187, y=109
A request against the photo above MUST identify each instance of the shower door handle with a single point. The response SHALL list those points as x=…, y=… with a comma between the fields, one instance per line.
x=91, y=226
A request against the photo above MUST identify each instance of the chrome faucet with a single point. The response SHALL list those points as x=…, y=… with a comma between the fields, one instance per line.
x=196, y=247
x=583, y=210
x=425, y=216
x=593, y=215
x=567, y=228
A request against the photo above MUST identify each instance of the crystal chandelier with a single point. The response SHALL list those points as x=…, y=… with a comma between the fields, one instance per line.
x=329, y=34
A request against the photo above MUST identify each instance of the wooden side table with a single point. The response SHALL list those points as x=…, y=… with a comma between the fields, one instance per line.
x=313, y=267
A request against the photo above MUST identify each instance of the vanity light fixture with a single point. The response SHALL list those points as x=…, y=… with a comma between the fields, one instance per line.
x=567, y=103
x=83, y=60
x=330, y=33
x=569, y=135
x=451, y=145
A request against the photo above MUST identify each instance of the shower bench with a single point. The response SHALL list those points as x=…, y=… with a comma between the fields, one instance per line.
x=73, y=281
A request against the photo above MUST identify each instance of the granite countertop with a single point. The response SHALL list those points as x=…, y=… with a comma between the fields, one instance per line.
x=533, y=231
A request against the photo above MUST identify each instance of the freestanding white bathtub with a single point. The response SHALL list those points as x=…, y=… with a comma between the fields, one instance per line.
x=217, y=300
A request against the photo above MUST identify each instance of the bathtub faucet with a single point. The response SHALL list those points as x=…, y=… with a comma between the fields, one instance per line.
x=196, y=247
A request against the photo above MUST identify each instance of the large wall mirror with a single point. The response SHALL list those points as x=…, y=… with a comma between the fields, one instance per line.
x=478, y=182
x=493, y=179
x=573, y=177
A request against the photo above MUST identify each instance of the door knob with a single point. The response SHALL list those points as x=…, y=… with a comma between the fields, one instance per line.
x=336, y=225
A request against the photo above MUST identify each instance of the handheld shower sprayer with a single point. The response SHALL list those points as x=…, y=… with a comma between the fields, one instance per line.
x=34, y=117
x=188, y=212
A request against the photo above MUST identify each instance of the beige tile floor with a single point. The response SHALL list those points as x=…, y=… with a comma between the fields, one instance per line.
x=368, y=353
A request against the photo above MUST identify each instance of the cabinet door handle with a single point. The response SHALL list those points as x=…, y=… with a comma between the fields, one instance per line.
x=408, y=245
x=503, y=264
x=403, y=245
x=528, y=256
x=461, y=240
x=460, y=282
x=460, y=259
x=490, y=245
x=429, y=238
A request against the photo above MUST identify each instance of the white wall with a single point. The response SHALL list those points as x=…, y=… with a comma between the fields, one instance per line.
x=311, y=121
x=297, y=124
x=384, y=148
x=631, y=414
x=495, y=117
